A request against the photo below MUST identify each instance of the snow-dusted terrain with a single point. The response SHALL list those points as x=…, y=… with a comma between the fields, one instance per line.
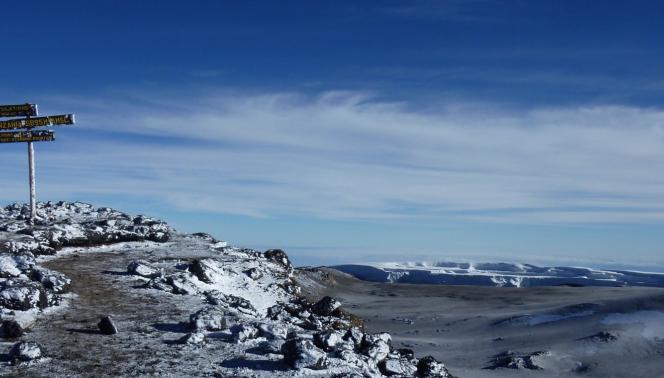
x=498, y=274
x=183, y=305
x=489, y=332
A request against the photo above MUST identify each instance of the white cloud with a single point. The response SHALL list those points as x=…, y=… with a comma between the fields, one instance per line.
x=346, y=155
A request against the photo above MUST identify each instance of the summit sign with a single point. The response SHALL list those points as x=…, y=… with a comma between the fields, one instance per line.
x=28, y=135
x=20, y=110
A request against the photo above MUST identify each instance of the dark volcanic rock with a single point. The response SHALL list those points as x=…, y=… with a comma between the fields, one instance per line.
x=299, y=353
x=205, y=270
x=11, y=329
x=395, y=365
x=24, y=352
x=429, y=367
x=106, y=326
x=280, y=257
x=603, y=336
x=23, y=295
x=512, y=360
x=253, y=273
x=57, y=282
x=143, y=269
x=328, y=340
x=376, y=346
x=325, y=306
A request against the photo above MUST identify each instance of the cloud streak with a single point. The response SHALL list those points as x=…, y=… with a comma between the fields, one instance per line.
x=348, y=155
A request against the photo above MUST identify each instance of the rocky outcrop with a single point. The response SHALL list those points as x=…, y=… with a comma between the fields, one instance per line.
x=513, y=360
x=241, y=297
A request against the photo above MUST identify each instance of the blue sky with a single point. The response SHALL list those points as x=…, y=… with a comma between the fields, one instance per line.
x=352, y=131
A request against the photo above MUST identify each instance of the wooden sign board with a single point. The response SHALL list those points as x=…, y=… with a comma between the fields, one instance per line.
x=63, y=119
x=21, y=110
x=27, y=136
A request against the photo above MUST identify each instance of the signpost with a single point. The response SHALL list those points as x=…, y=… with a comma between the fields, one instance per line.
x=29, y=111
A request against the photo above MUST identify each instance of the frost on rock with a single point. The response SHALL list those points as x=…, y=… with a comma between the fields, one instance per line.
x=512, y=360
x=238, y=303
x=143, y=269
x=23, y=295
x=57, y=282
x=24, y=352
x=211, y=319
x=8, y=267
x=301, y=353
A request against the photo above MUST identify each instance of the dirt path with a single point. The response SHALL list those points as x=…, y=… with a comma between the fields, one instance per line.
x=148, y=322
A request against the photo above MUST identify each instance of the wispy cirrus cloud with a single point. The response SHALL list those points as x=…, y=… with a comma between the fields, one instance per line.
x=348, y=155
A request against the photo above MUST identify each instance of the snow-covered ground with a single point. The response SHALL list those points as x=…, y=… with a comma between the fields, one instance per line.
x=184, y=305
x=498, y=274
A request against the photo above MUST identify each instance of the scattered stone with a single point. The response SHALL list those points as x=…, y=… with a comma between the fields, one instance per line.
x=207, y=270
x=24, y=352
x=181, y=284
x=106, y=326
x=254, y=273
x=355, y=335
x=429, y=367
x=193, y=338
x=11, y=329
x=244, y=332
x=512, y=360
x=8, y=267
x=397, y=366
x=211, y=319
x=328, y=340
x=325, y=306
x=406, y=353
x=143, y=269
x=602, y=336
x=272, y=331
x=376, y=346
x=300, y=353
x=23, y=295
x=54, y=281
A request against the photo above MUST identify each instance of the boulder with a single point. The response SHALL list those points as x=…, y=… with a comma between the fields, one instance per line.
x=602, y=336
x=300, y=353
x=193, y=338
x=182, y=284
x=395, y=365
x=376, y=346
x=272, y=331
x=8, y=267
x=106, y=326
x=143, y=269
x=55, y=281
x=25, y=351
x=241, y=304
x=354, y=335
x=325, y=306
x=244, y=332
x=279, y=257
x=253, y=273
x=207, y=270
x=513, y=360
x=23, y=295
x=328, y=340
x=11, y=329
x=429, y=367
x=211, y=319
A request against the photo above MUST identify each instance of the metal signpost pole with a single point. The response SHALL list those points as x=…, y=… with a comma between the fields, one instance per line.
x=31, y=174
